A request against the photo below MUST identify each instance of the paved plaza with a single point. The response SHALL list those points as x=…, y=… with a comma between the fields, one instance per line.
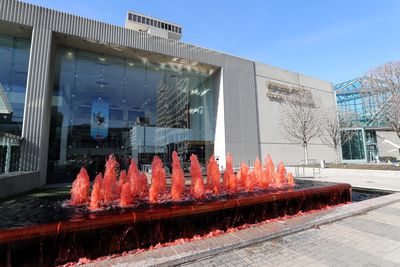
x=371, y=239
x=375, y=179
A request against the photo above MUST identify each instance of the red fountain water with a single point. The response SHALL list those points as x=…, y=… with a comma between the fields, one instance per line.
x=230, y=179
x=258, y=172
x=80, y=188
x=158, y=180
x=134, y=184
x=126, y=196
x=197, y=178
x=178, y=178
x=270, y=169
x=213, y=176
x=281, y=174
x=110, y=179
x=250, y=182
x=290, y=179
x=96, y=195
x=121, y=181
x=144, y=186
x=244, y=172
x=134, y=179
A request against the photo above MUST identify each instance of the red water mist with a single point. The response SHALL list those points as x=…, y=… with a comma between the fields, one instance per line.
x=280, y=175
x=158, y=180
x=290, y=179
x=110, y=179
x=178, y=178
x=122, y=179
x=197, y=189
x=134, y=179
x=270, y=169
x=231, y=180
x=258, y=172
x=80, y=188
x=213, y=176
x=243, y=174
x=144, y=186
x=126, y=196
x=250, y=181
x=96, y=196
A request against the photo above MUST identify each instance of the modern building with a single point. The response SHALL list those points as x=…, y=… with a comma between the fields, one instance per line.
x=374, y=140
x=76, y=90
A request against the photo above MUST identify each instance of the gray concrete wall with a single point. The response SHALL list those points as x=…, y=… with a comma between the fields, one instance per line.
x=18, y=182
x=272, y=139
x=388, y=144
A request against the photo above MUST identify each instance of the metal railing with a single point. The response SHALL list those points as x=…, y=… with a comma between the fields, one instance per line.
x=10, y=150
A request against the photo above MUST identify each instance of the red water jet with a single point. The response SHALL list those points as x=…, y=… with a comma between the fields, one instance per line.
x=126, y=196
x=258, y=172
x=178, y=178
x=213, y=175
x=110, y=179
x=230, y=180
x=270, y=169
x=134, y=179
x=250, y=181
x=96, y=196
x=290, y=179
x=280, y=174
x=243, y=174
x=197, y=178
x=158, y=180
x=144, y=185
x=122, y=179
x=80, y=188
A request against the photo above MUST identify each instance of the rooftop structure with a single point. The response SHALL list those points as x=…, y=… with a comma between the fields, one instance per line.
x=153, y=26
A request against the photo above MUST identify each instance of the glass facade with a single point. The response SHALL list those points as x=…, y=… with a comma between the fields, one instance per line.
x=354, y=149
x=134, y=108
x=361, y=109
x=14, y=61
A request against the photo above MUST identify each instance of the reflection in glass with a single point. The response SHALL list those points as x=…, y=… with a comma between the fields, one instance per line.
x=354, y=148
x=14, y=60
x=136, y=109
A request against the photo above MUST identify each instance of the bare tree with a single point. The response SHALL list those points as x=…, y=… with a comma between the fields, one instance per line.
x=381, y=95
x=333, y=132
x=300, y=122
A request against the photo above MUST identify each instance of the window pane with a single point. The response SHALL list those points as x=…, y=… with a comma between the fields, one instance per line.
x=106, y=104
x=14, y=61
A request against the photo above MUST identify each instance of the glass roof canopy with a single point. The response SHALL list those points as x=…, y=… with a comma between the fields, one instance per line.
x=362, y=110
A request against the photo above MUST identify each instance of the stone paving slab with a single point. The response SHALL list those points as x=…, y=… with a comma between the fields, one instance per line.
x=191, y=251
x=355, y=241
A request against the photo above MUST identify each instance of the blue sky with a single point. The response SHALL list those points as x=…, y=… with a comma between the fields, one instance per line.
x=332, y=40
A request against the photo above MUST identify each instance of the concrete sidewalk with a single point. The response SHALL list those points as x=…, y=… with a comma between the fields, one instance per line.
x=374, y=179
x=229, y=243
x=371, y=239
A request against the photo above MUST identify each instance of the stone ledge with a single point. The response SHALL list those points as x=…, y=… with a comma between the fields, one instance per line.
x=18, y=182
x=208, y=247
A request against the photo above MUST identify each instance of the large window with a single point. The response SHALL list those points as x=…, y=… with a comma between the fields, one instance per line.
x=354, y=148
x=133, y=108
x=14, y=60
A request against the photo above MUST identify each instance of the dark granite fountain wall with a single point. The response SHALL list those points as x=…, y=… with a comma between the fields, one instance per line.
x=95, y=236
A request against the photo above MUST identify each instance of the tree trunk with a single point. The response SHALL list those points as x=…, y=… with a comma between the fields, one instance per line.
x=305, y=153
x=336, y=155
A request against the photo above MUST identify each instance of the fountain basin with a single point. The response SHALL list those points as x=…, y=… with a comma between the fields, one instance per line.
x=99, y=235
